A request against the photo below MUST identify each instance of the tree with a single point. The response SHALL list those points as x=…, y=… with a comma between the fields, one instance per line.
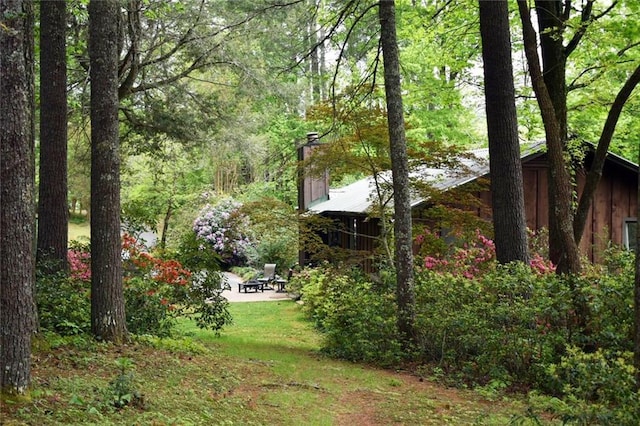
x=509, y=223
x=563, y=249
x=17, y=221
x=53, y=209
x=405, y=291
x=636, y=336
x=560, y=35
x=108, y=321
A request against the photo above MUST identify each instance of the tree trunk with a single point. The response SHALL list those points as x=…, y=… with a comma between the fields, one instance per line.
x=636, y=338
x=565, y=250
x=17, y=221
x=554, y=58
x=107, y=298
x=509, y=222
x=551, y=27
x=53, y=209
x=165, y=224
x=405, y=291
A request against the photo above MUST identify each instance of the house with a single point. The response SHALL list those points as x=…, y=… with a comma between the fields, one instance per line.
x=612, y=217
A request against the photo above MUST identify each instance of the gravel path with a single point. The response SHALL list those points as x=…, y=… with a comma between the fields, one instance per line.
x=234, y=296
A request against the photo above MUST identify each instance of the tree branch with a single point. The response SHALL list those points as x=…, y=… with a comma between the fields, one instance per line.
x=595, y=172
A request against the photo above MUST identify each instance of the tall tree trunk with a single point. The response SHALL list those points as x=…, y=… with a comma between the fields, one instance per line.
x=636, y=337
x=108, y=321
x=551, y=27
x=17, y=220
x=405, y=291
x=565, y=250
x=53, y=209
x=509, y=222
x=554, y=57
x=165, y=224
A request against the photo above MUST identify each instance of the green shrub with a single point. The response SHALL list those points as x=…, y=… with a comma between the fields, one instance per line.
x=205, y=301
x=514, y=327
x=148, y=311
x=506, y=325
x=598, y=388
x=356, y=316
x=274, y=250
x=64, y=304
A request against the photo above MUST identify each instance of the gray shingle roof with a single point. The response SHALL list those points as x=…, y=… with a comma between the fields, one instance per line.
x=357, y=197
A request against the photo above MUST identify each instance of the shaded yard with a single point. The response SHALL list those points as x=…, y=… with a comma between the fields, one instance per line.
x=266, y=369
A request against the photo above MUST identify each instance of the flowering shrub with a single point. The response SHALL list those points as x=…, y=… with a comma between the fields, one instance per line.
x=79, y=264
x=223, y=227
x=159, y=270
x=64, y=300
x=156, y=291
x=469, y=260
x=541, y=265
x=511, y=326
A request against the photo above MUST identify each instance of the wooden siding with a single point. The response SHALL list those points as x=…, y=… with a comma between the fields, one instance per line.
x=615, y=199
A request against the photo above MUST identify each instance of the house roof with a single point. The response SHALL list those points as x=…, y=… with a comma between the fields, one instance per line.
x=357, y=197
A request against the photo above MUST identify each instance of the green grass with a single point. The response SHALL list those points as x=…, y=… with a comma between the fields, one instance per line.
x=79, y=231
x=266, y=369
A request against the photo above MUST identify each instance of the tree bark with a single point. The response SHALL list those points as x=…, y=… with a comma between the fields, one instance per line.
x=17, y=219
x=565, y=250
x=509, y=222
x=636, y=338
x=405, y=291
x=107, y=299
x=53, y=209
x=554, y=58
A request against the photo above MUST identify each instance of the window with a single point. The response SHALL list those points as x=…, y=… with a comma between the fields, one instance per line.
x=629, y=233
x=353, y=233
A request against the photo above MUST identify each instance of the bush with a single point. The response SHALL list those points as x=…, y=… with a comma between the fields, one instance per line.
x=356, y=317
x=498, y=327
x=148, y=310
x=156, y=291
x=224, y=228
x=599, y=387
x=503, y=327
x=64, y=304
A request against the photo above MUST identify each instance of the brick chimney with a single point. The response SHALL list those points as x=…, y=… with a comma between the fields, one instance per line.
x=311, y=189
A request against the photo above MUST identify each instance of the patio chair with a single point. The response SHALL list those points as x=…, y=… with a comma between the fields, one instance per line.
x=269, y=273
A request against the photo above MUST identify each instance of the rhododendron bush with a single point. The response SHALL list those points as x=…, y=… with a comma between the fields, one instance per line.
x=224, y=228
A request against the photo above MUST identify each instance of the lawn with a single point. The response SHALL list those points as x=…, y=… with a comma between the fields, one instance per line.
x=266, y=369
x=79, y=231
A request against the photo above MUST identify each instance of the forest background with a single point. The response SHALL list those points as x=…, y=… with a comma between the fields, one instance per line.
x=251, y=88
x=214, y=98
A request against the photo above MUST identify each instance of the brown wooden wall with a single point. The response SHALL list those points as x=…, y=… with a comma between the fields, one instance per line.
x=616, y=198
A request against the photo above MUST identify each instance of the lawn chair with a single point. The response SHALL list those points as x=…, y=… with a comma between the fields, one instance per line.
x=269, y=275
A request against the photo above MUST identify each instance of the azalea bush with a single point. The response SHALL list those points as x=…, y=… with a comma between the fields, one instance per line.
x=224, y=228
x=469, y=259
x=63, y=300
x=356, y=316
x=494, y=326
x=157, y=290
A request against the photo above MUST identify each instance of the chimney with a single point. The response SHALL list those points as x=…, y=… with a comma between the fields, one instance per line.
x=311, y=189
